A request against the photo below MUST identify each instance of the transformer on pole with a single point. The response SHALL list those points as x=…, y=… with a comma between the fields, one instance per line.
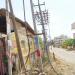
x=41, y=17
x=34, y=23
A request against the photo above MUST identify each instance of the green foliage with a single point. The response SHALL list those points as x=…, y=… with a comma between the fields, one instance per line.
x=5, y=59
x=73, y=42
x=45, y=59
x=41, y=43
x=52, y=42
x=69, y=42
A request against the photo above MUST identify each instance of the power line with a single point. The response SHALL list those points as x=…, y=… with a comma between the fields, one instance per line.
x=42, y=17
x=34, y=24
x=36, y=38
x=26, y=32
x=24, y=10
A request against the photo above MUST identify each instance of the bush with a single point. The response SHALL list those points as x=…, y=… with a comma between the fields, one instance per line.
x=68, y=43
x=45, y=58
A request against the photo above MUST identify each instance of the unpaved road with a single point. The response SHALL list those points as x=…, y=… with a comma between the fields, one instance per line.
x=66, y=61
x=67, y=56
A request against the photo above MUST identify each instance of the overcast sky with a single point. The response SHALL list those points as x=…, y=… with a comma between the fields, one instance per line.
x=61, y=14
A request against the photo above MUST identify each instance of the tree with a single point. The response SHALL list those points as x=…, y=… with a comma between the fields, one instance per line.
x=74, y=43
x=69, y=42
x=41, y=43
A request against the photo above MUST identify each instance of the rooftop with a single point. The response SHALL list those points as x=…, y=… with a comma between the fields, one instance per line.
x=3, y=22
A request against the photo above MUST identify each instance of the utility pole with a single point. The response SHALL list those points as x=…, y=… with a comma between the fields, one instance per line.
x=42, y=16
x=8, y=45
x=35, y=28
x=44, y=34
x=16, y=36
x=42, y=19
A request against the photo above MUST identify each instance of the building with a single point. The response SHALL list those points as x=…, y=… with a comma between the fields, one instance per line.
x=74, y=35
x=26, y=40
x=73, y=28
x=59, y=40
x=73, y=25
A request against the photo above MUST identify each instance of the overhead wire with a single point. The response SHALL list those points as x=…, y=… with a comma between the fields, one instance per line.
x=51, y=64
x=26, y=31
x=48, y=53
x=29, y=44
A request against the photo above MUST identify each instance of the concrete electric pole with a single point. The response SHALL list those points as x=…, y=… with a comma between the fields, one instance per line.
x=34, y=23
x=43, y=18
x=8, y=47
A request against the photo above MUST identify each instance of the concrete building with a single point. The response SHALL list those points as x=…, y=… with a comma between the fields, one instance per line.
x=59, y=40
x=73, y=28
x=74, y=35
x=73, y=25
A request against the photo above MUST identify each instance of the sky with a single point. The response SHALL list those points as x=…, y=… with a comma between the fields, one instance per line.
x=61, y=14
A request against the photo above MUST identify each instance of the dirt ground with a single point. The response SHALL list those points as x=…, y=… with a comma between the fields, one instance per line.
x=60, y=67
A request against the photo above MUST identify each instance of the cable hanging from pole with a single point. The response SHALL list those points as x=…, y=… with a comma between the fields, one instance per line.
x=26, y=31
x=45, y=38
x=24, y=10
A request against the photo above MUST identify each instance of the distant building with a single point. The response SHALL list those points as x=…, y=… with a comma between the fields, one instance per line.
x=74, y=35
x=73, y=25
x=59, y=40
x=73, y=28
